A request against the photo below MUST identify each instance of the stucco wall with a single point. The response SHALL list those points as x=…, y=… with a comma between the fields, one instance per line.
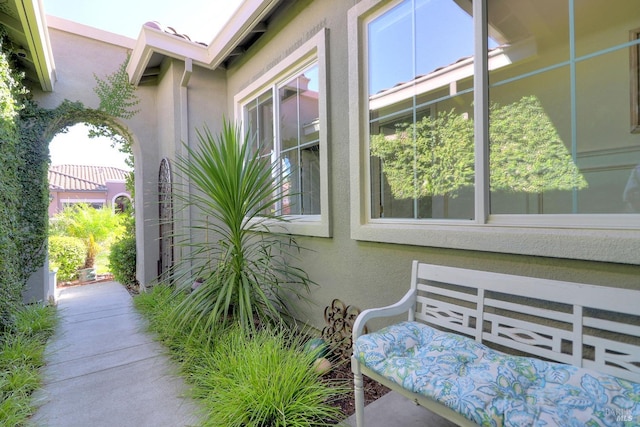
x=360, y=273
x=367, y=274
x=80, y=52
x=59, y=199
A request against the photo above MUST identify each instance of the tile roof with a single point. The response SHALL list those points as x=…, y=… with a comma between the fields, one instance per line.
x=171, y=30
x=83, y=178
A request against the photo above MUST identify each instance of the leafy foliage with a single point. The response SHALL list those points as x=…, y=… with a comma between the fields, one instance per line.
x=118, y=98
x=527, y=154
x=257, y=379
x=25, y=133
x=97, y=227
x=122, y=261
x=436, y=155
x=263, y=379
x=23, y=188
x=21, y=356
x=122, y=257
x=67, y=254
x=10, y=190
x=244, y=265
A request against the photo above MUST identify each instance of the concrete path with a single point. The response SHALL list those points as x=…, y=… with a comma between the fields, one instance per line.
x=104, y=370
x=395, y=410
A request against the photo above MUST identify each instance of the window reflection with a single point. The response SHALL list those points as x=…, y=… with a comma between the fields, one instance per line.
x=421, y=83
x=582, y=111
x=297, y=145
x=559, y=90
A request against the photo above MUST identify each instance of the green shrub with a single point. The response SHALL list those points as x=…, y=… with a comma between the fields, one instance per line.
x=21, y=357
x=259, y=379
x=263, y=379
x=98, y=228
x=185, y=343
x=122, y=261
x=67, y=254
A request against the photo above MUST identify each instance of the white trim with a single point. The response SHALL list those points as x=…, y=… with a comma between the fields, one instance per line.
x=248, y=14
x=113, y=199
x=239, y=25
x=34, y=26
x=313, y=51
x=152, y=40
x=608, y=238
x=89, y=32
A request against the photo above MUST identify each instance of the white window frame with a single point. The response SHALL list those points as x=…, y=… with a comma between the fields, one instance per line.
x=609, y=238
x=313, y=51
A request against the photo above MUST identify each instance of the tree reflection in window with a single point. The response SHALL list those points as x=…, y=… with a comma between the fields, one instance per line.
x=435, y=157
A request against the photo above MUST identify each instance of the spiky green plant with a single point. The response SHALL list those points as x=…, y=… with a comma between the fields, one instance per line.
x=234, y=246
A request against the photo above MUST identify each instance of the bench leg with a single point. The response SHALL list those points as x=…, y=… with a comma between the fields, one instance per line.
x=359, y=391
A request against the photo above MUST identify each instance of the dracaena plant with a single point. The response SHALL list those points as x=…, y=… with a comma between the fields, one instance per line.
x=236, y=251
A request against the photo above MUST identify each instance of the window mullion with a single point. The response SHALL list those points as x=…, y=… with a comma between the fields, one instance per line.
x=300, y=189
x=276, y=143
x=573, y=92
x=481, y=111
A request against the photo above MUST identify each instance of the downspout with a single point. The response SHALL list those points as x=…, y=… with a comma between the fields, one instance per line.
x=184, y=139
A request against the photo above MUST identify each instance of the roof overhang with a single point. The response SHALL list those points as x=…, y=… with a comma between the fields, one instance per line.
x=27, y=31
x=154, y=45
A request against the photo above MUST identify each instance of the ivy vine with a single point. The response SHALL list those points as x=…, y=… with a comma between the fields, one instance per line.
x=25, y=133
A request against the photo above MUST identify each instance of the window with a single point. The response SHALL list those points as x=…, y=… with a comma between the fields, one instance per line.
x=285, y=113
x=494, y=125
x=420, y=77
x=96, y=204
x=559, y=122
x=294, y=121
x=121, y=203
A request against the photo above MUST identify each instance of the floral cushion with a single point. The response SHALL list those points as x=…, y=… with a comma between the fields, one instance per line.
x=495, y=389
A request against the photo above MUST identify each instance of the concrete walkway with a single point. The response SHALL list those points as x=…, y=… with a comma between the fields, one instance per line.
x=395, y=410
x=104, y=370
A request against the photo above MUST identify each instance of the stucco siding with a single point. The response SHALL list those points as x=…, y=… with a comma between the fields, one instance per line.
x=367, y=274
x=352, y=265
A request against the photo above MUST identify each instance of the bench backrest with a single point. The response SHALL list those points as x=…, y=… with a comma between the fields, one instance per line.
x=595, y=327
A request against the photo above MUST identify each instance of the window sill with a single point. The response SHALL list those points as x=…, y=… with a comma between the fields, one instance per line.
x=303, y=225
x=593, y=244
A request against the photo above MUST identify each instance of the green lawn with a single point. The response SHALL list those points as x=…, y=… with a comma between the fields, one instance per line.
x=102, y=262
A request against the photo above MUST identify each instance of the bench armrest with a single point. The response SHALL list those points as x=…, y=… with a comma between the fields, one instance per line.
x=405, y=305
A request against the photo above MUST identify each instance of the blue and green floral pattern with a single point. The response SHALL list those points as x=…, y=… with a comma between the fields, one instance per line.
x=495, y=389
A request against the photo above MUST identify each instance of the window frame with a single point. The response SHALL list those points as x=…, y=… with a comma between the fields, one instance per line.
x=597, y=237
x=312, y=52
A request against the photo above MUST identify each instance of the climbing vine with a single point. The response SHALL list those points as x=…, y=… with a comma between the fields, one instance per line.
x=117, y=99
x=25, y=132
x=10, y=189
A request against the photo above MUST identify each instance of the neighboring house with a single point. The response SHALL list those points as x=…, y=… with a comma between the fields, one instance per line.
x=539, y=92
x=98, y=186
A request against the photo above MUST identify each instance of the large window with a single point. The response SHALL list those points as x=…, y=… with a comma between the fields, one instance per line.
x=287, y=131
x=285, y=113
x=559, y=130
x=420, y=78
x=491, y=114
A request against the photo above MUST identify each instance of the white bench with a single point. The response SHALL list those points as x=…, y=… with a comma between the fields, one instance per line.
x=593, y=328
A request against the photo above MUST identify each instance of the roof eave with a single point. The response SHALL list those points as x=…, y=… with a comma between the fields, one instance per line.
x=248, y=15
x=152, y=41
x=34, y=26
x=242, y=22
